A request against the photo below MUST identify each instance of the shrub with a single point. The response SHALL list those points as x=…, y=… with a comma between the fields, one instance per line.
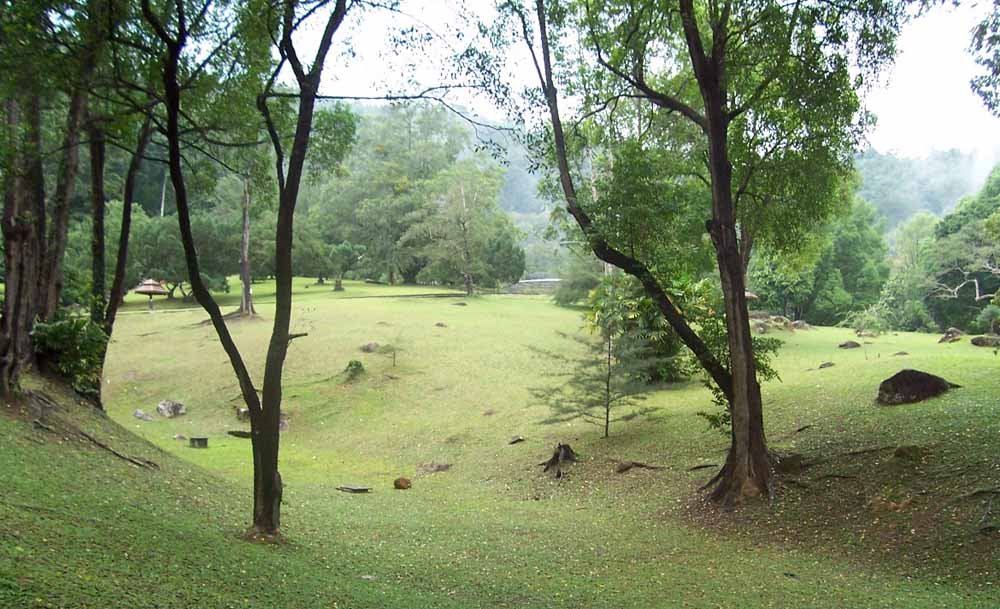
x=74, y=347
x=354, y=370
x=988, y=319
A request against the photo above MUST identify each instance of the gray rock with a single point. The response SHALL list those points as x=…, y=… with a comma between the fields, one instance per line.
x=849, y=344
x=141, y=415
x=986, y=341
x=170, y=409
x=826, y=365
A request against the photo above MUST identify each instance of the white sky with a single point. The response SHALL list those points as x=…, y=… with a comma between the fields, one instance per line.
x=925, y=102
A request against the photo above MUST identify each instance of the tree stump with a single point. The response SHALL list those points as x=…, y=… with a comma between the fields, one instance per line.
x=563, y=454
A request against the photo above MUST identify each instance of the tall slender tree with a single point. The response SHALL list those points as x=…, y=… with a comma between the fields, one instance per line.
x=179, y=34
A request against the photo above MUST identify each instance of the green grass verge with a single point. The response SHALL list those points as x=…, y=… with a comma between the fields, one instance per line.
x=493, y=531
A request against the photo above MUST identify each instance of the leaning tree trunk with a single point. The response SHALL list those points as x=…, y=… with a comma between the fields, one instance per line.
x=128, y=196
x=246, y=301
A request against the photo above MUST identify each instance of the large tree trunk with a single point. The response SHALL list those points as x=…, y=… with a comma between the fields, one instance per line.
x=97, y=292
x=22, y=256
x=246, y=301
x=747, y=471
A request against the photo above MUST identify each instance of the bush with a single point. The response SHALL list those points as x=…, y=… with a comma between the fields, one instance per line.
x=874, y=319
x=354, y=370
x=988, y=319
x=74, y=347
x=619, y=304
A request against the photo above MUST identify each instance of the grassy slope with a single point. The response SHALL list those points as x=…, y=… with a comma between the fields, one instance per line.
x=493, y=531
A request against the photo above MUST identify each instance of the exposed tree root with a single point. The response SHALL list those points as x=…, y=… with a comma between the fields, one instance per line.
x=702, y=466
x=624, y=466
x=134, y=460
x=835, y=477
x=141, y=462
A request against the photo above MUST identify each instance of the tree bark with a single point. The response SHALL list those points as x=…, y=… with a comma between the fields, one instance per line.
x=747, y=471
x=50, y=279
x=97, y=206
x=246, y=301
x=265, y=412
x=22, y=255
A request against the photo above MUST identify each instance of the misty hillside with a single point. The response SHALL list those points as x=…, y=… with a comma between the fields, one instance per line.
x=899, y=187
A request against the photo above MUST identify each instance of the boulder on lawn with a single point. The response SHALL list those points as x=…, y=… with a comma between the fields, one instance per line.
x=369, y=347
x=170, y=409
x=142, y=415
x=826, y=365
x=760, y=327
x=908, y=386
x=951, y=335
x=986, y=341
x=801, y=324
x=849, y=344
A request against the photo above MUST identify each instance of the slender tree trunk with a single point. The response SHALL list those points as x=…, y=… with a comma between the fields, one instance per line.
x=246, y=302
x=607, y=390
x=96, y=31
x=97, y=204
x=128, y=197
x=51, y=278
x=265, y=412
x=163, y=194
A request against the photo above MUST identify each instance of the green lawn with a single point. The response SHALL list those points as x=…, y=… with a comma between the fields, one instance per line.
x=493, y=531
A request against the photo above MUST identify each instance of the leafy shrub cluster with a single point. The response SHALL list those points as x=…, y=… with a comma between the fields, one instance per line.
x=74, y=347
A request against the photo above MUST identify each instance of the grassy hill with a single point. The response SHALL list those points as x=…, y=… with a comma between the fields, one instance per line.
x=82, y=527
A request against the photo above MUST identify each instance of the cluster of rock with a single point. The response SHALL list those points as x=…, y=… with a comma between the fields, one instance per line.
x=762, y=322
